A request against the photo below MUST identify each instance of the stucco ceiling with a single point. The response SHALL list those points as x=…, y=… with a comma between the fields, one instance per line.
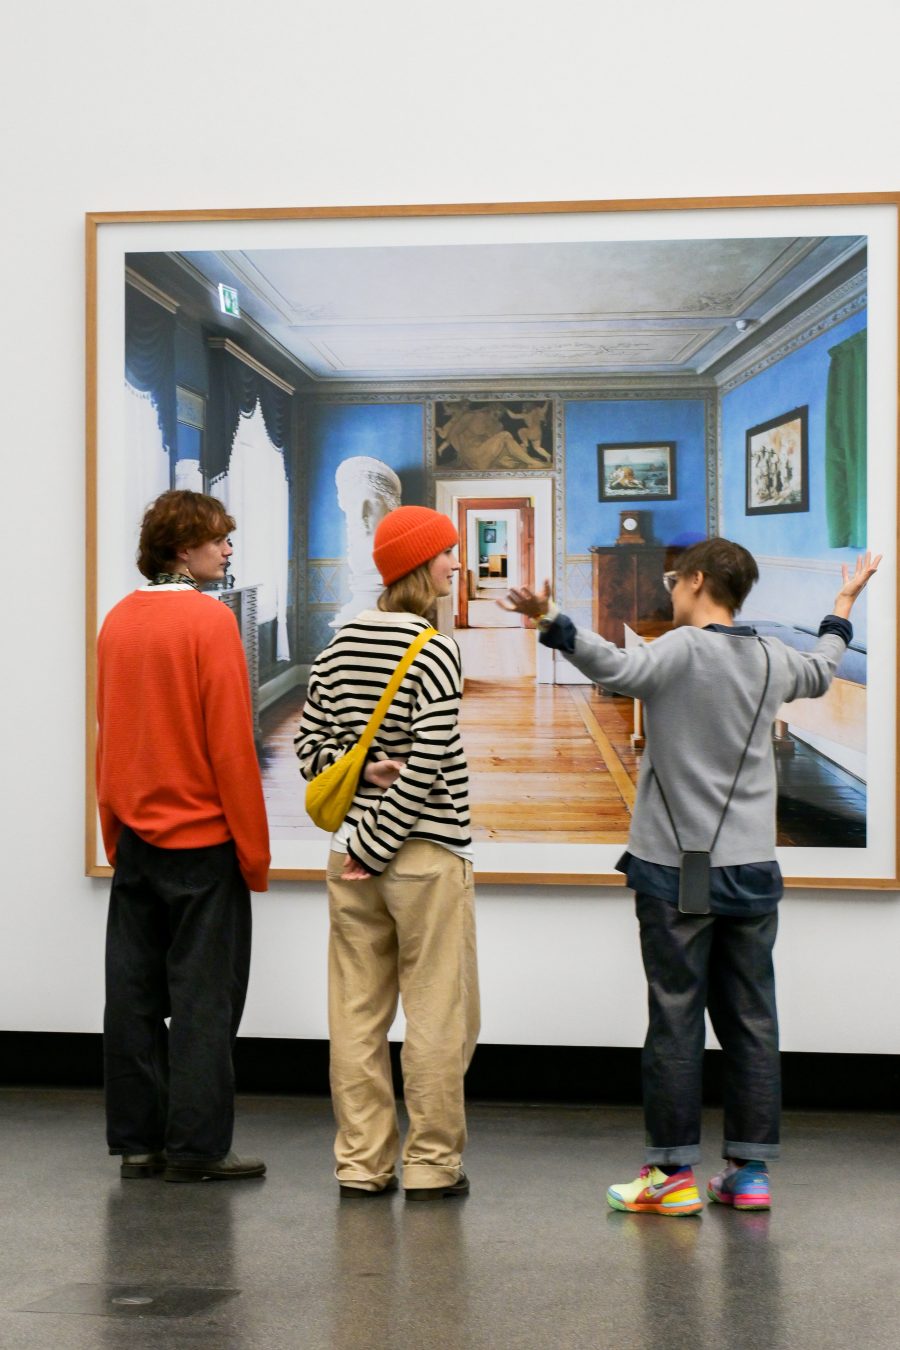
x=472, y=311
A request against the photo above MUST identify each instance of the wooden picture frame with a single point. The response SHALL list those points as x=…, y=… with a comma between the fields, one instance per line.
x=749, y=349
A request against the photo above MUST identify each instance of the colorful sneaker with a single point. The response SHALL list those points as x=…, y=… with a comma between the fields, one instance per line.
x=744, y=1187
x=655, y=1193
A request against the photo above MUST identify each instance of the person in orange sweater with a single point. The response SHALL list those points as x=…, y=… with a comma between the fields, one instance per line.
x=184, y=826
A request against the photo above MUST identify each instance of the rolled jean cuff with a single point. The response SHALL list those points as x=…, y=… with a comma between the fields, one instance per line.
x=366, y=1181
x=732, y=1148
x=686, y=1154
x=424, y=1176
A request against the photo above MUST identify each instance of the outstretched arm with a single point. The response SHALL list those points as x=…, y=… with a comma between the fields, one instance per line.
x=813, y=671
x=636, y=672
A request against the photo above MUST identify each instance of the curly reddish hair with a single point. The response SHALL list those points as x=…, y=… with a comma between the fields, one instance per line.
x=179, y=519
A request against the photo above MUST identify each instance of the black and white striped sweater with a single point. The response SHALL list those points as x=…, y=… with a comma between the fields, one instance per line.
x=430, y=799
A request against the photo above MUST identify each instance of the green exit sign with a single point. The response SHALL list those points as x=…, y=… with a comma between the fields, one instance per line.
x=228, y=301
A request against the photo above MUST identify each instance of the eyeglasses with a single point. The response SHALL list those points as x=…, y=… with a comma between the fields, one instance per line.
x=669, y=579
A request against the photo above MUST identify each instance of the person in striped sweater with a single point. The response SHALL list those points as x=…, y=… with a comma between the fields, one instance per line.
x=401, y=896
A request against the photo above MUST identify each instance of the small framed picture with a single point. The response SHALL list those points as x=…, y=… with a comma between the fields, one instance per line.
x=636, y=471
x=490, y=534
x=777, y=465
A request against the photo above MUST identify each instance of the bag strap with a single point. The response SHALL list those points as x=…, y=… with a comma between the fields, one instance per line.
x=739, y=767
x=393, y=685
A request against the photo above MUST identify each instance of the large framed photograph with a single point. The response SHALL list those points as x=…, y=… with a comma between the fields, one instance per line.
x=316, y=367
x=632, y=472
x=778, y=464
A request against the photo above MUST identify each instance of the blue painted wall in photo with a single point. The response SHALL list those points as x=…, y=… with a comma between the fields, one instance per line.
x=801, y=378
x=391, y=432
x=589, y=423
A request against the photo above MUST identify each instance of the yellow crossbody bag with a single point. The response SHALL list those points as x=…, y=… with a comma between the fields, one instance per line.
x=330, y=794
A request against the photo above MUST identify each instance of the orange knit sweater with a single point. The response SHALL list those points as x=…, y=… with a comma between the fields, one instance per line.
x=175, y=755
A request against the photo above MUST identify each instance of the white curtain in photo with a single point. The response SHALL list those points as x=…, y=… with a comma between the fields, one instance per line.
x=255, y=491
x=146, y=464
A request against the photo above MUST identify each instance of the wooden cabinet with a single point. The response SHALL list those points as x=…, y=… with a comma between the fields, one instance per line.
x=628, y=587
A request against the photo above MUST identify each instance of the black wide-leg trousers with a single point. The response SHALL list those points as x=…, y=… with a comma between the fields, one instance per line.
x=177, y=947
x=694, y=962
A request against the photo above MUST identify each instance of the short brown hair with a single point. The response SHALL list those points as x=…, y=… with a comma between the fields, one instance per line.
x=729, y=571
x=179, y=519
x=410, y=594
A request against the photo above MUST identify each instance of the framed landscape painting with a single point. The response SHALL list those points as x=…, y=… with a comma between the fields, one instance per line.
x=631, y=472
x=527, y=368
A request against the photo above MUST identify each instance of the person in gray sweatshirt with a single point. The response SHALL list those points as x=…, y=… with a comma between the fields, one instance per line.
x=701, y=858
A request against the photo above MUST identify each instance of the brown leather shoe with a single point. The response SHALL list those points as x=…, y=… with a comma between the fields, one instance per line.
x=229, y=1168
x=458, y=1187
x=136, y=1165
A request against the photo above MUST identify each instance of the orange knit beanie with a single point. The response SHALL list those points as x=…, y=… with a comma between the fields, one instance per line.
x=408, y=537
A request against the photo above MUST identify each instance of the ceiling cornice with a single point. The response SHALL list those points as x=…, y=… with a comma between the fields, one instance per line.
x=847, y=299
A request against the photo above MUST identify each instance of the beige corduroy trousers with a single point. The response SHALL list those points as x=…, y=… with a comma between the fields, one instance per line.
x=407, y=934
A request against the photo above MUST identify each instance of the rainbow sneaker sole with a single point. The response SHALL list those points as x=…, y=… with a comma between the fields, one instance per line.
x=654, y=1193
x=744, y=1187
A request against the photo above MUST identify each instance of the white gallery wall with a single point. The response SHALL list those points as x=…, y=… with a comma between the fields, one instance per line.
x=110, y=105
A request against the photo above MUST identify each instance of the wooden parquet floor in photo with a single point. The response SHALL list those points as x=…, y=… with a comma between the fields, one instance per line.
x=553, y=761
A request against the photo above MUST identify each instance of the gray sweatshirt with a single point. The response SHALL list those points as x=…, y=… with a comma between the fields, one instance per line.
x=700, y=690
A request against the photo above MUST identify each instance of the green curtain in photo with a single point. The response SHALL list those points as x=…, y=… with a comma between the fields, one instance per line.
x=845, y=444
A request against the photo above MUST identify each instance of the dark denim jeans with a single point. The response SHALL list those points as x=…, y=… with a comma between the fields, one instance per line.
x=724, y=964
x=177, y=946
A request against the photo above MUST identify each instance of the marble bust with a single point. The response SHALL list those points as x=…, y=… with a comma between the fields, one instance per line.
x=367, y=490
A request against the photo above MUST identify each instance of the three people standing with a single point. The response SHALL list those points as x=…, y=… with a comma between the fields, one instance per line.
x=184, y=826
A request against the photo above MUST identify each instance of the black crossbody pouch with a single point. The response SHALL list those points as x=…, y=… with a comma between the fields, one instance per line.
x=693, y=883
x=695, y=864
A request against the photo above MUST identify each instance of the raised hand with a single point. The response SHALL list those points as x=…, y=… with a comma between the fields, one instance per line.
x=866, y=567
x=525, y=601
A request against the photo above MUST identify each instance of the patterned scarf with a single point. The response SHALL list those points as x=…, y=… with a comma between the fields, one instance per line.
x=173, y=578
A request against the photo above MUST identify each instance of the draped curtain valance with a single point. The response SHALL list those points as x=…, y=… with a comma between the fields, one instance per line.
x=235, y=389
x=150, y=356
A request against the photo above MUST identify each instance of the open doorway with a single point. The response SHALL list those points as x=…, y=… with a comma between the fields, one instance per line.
x=505, y=539
x=496, y=552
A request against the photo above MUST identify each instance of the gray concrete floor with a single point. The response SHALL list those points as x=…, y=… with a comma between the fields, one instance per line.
x=532, y=1259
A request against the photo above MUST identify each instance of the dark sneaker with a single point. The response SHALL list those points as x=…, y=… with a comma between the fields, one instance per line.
x=229, y=1168
x=744, y=1187
x=136, y=1165
x=458, y=1187
x=351, y=1192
